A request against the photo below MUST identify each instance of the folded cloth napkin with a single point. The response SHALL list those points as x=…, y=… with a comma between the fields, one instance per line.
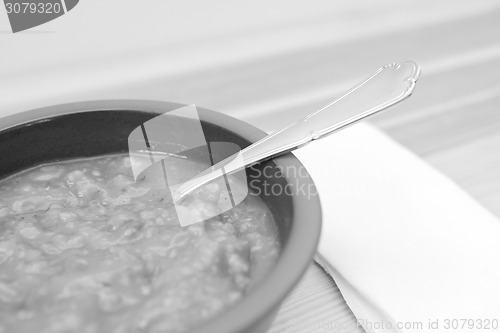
x=409, y=249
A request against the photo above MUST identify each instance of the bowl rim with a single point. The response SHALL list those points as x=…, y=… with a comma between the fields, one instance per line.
x=296, y=255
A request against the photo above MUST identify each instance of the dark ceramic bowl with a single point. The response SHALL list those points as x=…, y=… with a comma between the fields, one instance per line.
x=102, y=127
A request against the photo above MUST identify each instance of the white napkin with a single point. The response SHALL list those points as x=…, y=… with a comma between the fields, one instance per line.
x=410, y=250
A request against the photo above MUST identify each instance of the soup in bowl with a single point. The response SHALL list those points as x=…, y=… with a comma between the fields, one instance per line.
x=86, y=247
